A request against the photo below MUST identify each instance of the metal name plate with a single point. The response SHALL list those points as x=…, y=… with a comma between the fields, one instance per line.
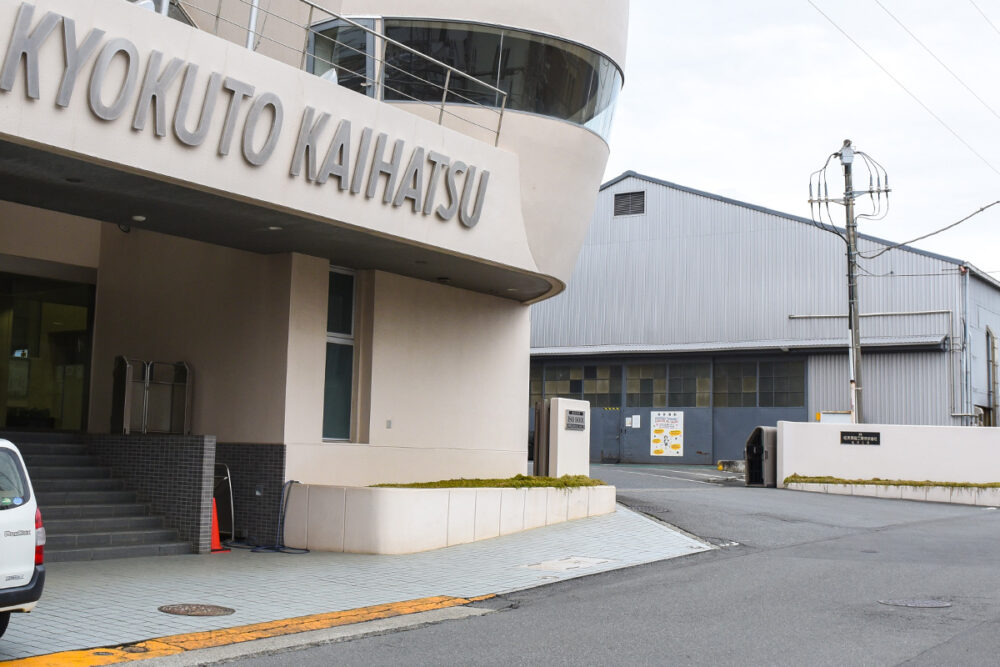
x=576, y=420
x=860, y=438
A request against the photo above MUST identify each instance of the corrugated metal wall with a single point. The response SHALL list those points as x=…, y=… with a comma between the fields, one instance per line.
x=898, y=387
x=696, y=269
x=984, y=311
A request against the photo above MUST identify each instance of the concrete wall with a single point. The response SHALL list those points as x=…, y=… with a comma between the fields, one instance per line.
x=306, y=349
x=224, y=311
x=36, y=233
x=449, y=374
x=398, y=521
x=441, y=373
x=561, y=163
x=918, y=453
x=499, y=237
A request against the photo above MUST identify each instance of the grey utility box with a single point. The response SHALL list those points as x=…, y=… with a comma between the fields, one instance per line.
x=762, y=457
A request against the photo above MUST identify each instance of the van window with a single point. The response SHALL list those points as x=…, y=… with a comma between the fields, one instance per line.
x=13, y=485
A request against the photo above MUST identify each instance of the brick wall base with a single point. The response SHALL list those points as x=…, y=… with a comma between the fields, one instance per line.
x=173, y=473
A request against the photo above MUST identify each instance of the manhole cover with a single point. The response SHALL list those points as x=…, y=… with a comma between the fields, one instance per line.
x=135, y=649
x=196, y=610
x=921, y=604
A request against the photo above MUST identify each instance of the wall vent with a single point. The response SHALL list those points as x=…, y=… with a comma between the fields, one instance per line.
x=630, y=203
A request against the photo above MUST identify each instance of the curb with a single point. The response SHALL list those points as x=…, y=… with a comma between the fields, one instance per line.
x=173, y=645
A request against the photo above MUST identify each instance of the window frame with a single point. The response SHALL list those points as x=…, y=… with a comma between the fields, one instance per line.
x=17, y=468
x=347, y=340
x=371, y=56
x=599, y=123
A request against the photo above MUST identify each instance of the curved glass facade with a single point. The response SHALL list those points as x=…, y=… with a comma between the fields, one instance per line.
x=540, y=74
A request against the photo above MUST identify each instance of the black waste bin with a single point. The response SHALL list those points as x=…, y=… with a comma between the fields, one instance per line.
x=761, y=455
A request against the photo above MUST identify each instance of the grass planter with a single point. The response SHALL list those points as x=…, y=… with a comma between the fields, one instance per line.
x=399, y=520
x=960, y=493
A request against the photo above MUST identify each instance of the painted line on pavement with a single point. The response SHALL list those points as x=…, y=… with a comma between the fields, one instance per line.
x=681, y=479
x=175, y=644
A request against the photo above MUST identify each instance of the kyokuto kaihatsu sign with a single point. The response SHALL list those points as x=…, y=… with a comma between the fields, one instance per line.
x=123, y=84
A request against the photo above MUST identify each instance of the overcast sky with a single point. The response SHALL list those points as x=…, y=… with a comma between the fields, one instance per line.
x=746, y=98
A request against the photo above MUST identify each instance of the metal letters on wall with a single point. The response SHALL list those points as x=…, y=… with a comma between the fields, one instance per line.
x=412, y=177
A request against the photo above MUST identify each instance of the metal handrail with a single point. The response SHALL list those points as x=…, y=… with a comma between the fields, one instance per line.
x=123, y=412
x=255, y=36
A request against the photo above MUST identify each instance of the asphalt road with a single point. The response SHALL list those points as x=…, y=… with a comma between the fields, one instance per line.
x=797, y=580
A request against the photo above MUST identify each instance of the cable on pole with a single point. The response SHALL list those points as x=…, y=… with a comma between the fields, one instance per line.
x=928, y=235
x=906, y=90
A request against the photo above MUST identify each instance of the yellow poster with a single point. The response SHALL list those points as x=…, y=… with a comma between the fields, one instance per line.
x=666, y=434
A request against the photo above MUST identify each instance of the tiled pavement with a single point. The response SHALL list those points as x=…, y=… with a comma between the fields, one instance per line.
x=112, y=602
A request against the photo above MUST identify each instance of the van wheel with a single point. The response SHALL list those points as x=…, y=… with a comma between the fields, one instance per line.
x=4, y=620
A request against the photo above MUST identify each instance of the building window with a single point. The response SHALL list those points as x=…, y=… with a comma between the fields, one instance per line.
x=560, y=381
x=342, y=53
x=472, y=49
x=735, y=384
x=540, y=74
x=690, y=385
x=602, y=386
x=630, y=203
x=339, y=356
x=535, y=381
x=646, y=386
x=782, y=384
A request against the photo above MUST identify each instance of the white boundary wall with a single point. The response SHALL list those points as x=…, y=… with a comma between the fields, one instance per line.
x=399, y=521
x=919, y=453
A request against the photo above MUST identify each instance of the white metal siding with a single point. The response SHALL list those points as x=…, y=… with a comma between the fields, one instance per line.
x=697, y=270
x=984, y=311
x=898, y=387
x=694, y=269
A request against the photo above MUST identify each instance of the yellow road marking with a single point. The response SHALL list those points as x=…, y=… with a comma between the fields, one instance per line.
x=174, y=644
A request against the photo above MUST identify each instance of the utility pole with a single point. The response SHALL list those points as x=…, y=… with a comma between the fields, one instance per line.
x=847, y=160
x=878, y=185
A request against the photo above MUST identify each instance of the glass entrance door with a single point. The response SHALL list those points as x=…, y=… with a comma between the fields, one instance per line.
x=45, y=338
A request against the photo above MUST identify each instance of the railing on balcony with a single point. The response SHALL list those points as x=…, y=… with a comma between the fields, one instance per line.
x=250, y=18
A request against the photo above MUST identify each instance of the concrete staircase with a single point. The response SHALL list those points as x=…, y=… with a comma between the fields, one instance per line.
x=88, y=514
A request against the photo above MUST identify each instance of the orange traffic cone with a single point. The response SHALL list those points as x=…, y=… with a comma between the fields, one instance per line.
x=216, y=542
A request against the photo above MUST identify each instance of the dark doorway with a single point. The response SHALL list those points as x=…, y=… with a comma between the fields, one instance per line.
x=45, y=340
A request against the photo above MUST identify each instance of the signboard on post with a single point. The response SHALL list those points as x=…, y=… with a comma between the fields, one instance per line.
x=666, y=434
x=576, y=420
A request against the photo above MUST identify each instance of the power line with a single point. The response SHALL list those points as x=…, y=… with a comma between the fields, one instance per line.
x=985, y=17
x=921, y=238
x=939, y=61
x=905, y=89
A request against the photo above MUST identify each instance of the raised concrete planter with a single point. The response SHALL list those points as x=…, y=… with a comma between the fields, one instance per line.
x=400, y=521
x=984, y=497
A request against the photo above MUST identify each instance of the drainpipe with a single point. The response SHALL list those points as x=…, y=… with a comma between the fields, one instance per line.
x=966, y=347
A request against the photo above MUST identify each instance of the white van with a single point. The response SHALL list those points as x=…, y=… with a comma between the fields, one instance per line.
x=22, y=538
